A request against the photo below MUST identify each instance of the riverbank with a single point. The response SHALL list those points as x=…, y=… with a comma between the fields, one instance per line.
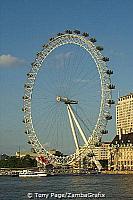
x=117, y=172
x=13, y=171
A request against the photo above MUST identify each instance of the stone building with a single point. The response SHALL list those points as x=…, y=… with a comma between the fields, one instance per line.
x=102, y=152
x=121, y=152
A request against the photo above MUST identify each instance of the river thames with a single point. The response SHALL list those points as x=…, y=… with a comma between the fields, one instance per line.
x=103, y=186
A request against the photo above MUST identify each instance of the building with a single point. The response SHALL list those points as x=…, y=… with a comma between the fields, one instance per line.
x=23, y=154
x=102, y=152
x=121, y=152
x=124, y=115
x=121, y=148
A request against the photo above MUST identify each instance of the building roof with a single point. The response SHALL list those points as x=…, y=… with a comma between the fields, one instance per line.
x=125, y=139
x=24, y=153
x=108, y=142
x=126, y=96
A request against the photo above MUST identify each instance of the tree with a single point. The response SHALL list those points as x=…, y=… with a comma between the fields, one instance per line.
x=14, y=162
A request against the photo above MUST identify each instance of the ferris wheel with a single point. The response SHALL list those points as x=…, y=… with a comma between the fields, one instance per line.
x=67, y=97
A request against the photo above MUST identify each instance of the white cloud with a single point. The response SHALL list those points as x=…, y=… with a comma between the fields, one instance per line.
x=61, y=58
x=64, y=55
x=9, y=60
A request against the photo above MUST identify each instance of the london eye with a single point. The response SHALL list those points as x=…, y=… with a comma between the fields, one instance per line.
x=67, y=98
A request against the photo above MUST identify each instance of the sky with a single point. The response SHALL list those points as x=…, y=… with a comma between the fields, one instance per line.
x=26, y=25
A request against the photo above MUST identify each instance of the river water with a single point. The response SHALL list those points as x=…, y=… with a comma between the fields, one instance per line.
x=107, y=187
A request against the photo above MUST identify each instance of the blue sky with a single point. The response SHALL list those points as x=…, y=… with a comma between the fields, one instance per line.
x=26, y=25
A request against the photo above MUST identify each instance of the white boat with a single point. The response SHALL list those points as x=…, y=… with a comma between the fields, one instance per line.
x=26, y=173
x=41, y=173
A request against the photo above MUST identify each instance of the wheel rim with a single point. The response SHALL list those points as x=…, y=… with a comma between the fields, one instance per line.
x=81, y=41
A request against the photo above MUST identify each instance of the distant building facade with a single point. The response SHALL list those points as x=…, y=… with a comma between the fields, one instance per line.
x=121, y=148
x=124, y=114
x=121, y=152
x=25, y=153
x=102, y=152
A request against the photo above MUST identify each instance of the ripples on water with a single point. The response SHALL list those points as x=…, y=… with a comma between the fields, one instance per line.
x=115, y=187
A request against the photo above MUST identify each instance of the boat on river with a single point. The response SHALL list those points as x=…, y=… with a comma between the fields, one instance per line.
x=27, y=173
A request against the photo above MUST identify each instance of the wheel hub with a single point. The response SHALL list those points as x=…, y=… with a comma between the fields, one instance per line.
x=66, y=100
